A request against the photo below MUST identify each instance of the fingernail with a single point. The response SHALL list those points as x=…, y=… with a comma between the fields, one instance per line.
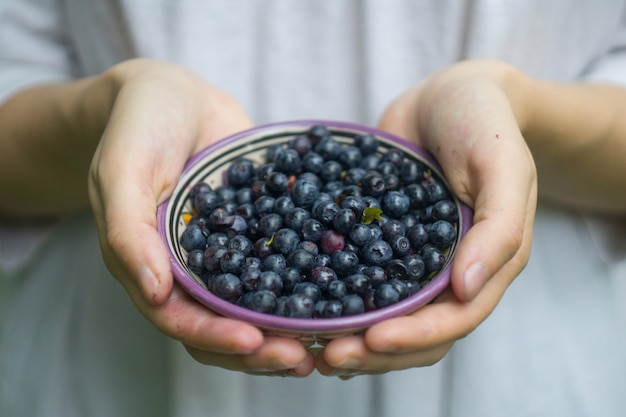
x=349, y=364
x=474, y=279
x=148, y=282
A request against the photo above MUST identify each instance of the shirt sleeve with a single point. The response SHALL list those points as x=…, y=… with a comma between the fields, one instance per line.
x=34, y=48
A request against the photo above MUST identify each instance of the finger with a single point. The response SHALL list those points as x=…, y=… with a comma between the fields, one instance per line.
x=351, y=356
x=277, y=356
x=445, y=320
x=187, y=321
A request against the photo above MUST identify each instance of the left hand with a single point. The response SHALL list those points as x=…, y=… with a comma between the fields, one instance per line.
x=467, y=116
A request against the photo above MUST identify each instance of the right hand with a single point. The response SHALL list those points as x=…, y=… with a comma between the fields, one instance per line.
x=163, y=114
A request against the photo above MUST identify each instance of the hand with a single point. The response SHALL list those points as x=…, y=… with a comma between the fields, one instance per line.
x=467, y=116
x=162, y=115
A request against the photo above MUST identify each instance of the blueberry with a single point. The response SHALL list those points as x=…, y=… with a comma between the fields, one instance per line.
x=242, y=244
x=323, y=277
x=396, y=269
x=270, y=281
x=370, y=162
x=246, y=210
x=198, y=188
x=317, y=132
x=301, y=260
x=400, y=286
x=285, y=241
x=400, y=246
x=240, y=172
x=409, y=220
x=393, y=228
x=304, y=193
x=325, y=212
x=377, y=253
x=350, y=157
x=301, y=144
x=392, y=182
x=410, y=172
x=274, y=262
x=276, y=183
x=233, y=261
x=232, y=225
x=295, y=218
x=250, y=277
x=299, y=306
x=393, y=155
x=417, y=195
x=360, y=234
x=228, y=287
x=261, y=301
x=373, y=184
x=336, y=290
x=387, y=168
x=323, y=259
x=395, y=204
x=263, y=248
x=353, y=176
x=367, y=143
x=433, y=258
x=193, y=238
x=312, y=230
x=287, y=161
x=205, y=202
x=436, y=191
x=386, y=295
x=270, y=224
x=331, y=171
x=225, y=194
x=312, y=162
x=258, y=189
x=418, y=236
x=212, y=257
x=264, y=205
x=195, y=261
x=376, y=274
x=358, y=284
x=352, y=305
x=244, y=196
x=442, y=234
x=309, y=247
x=283, y=204
x=290, y=277
x=309, y=290
x=344, y=263
x=344, y=220
x=445, y=210
x=329, y=148
x=313, y=178
x=415, y=266
x=328, y=309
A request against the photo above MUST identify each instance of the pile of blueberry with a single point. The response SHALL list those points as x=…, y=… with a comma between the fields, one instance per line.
x=322, y=229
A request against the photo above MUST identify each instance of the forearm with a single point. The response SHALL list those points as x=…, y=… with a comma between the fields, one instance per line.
x=577, y=134
x=48, y=134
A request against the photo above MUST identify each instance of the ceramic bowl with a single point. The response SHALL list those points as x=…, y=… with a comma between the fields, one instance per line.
x=209, y=166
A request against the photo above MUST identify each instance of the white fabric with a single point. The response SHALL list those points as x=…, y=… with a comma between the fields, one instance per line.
x=71, y=344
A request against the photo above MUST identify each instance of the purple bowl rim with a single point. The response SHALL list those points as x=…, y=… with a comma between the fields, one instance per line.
x=304, y=326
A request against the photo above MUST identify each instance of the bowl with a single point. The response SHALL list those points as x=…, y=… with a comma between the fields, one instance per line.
x=210, y=165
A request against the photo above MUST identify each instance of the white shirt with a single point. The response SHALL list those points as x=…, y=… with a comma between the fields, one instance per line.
x=72, y=344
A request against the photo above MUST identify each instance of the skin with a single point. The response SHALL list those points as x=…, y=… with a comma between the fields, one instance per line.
x=133, y=127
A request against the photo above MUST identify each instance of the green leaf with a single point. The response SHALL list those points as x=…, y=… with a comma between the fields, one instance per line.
x=370, y=214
